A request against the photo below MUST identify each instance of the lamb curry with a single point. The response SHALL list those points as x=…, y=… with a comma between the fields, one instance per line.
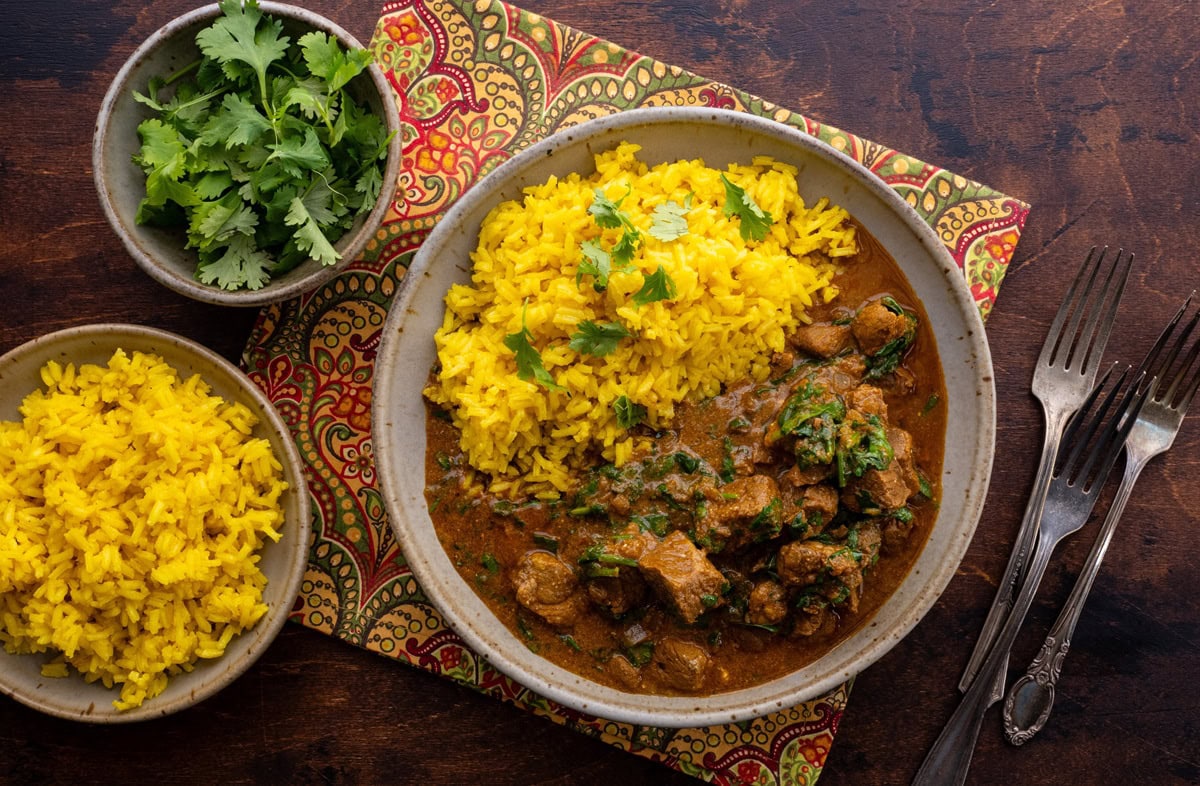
x=768, y=524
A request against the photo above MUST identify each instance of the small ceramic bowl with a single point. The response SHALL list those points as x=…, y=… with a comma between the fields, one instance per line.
x=718, y=137
x=283, y=562
x=122, y=184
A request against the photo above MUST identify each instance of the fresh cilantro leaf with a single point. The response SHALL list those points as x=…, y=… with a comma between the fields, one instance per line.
x=327, y=60
x=598, y=339
x=236, y=37
x=607, y=213
x=529, y=362
x=669, y=220
x=313, y=98
x=214, y=223
x=626, y=247
x=309, y=235
x=238, y=122
x=241, y=264
x=754, y=220
x=628, y=413
x=297, y=156
x=657, y=286
x=596, y=263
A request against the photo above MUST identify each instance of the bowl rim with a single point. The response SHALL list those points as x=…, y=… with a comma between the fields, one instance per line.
x=552, y=681
x=273, y=291
x=264, y=632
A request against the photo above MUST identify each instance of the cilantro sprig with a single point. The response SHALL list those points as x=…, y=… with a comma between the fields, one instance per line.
x=257, y=151
x=656, y=286
x=669, y=220
x=754, y=221
x=599, y=263
x=529, y=362
x=592, y=338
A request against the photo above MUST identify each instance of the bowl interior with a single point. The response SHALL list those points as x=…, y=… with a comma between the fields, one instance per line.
x=407, y=353
x=122, y=185
x=283, y=562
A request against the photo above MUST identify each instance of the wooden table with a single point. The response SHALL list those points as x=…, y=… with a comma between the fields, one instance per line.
x=1088, y=111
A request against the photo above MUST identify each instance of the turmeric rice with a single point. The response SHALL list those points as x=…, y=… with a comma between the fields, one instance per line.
x=133, y=506
x=733, y=299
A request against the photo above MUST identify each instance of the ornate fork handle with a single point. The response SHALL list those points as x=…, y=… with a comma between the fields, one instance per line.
x=1028, y=705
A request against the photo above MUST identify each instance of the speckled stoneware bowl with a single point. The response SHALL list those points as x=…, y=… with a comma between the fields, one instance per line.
x=719, y=137
x=122, y=185
x=283, y=562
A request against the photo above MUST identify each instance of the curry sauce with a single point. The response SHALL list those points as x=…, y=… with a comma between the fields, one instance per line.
x=765, y=526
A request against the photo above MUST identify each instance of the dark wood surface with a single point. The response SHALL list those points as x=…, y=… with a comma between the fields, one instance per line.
x=1089, y=111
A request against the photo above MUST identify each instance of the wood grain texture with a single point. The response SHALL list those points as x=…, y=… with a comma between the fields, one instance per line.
x=1088, y=111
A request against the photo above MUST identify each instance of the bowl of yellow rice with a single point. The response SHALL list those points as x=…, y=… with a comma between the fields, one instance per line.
x=507, y=261
x=154, y=523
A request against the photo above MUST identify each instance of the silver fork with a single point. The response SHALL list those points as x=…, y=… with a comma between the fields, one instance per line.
x=1028, y=704
x=1065, y=373
x=1075, y=484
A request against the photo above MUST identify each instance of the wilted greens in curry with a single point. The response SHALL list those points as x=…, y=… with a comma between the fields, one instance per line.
x=773, y=520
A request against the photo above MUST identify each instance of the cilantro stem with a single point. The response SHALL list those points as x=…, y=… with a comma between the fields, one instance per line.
x=182, y=72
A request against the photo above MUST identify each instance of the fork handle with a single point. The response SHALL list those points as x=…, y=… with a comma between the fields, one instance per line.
x=950, y=757
x=1056, y=419
x=1028, y=705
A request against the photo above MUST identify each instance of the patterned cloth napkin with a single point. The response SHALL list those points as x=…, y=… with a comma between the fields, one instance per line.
x=477, y=82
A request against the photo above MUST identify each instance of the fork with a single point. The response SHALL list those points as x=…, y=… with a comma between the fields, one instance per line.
x=1028, y=704
x=1075, y=484
x=1065, y=373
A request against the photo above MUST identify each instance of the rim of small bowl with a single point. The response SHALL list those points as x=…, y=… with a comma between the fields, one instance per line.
x=470, y=618
x=244, y=649
x=293, y=283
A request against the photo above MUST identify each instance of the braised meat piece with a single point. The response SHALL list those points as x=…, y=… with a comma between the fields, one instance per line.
x=868, y=400
x=767, y=604
x=902, y=453
x=821, y=340
x=617, y=594
x=683, y=576
x=878, y=490
x=548, y=587
x=804, y=562
x=875, y=326
x=681, y=664
x=745, y=510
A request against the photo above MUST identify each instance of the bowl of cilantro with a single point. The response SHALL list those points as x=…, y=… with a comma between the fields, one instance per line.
x=246, y=152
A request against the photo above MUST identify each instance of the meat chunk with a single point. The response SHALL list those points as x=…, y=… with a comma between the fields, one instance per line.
x=877, y=490
x=683, y=576
x=821, y=340
x=868, y=400
x=629, y=675
x=807, y=476
x=814, y=509
x=902, y=457
x=681, y=664
x=767, y=604
x=804, y=562
x=746, y=510
x=617, y=594
x=875, y=326
x=548, y=587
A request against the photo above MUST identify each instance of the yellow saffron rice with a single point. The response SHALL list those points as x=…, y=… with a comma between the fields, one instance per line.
x=735, y=300
x=133, y=505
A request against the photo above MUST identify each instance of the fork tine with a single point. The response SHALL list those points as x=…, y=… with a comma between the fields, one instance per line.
x=1084, y=420
x=1193, y=382
x=1156, y=365
x=1104, y=314
x=1112, y=440
x=1072, y=305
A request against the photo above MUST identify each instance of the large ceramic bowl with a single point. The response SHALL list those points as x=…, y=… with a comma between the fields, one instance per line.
x=719, y=137
x=122, y=185
x=283, y=562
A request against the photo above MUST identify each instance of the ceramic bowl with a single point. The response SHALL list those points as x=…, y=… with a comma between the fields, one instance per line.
x=283, y=562
x=719, y=138
x=122, y=185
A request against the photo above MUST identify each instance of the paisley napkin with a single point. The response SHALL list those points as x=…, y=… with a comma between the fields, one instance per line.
x=477, y=81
